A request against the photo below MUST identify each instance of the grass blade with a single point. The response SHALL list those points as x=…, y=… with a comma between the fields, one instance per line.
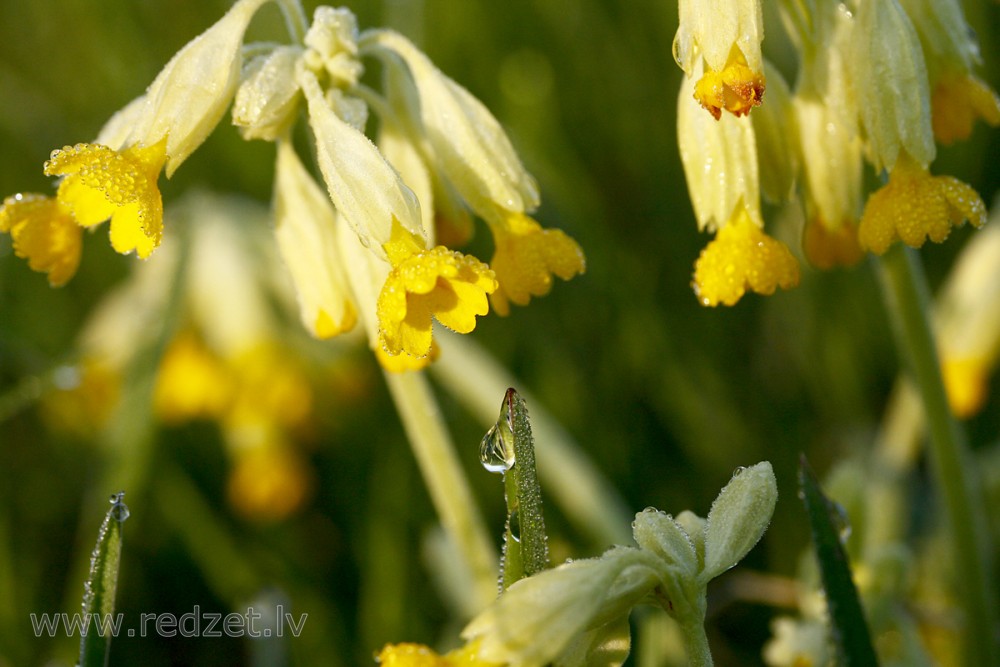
x=99, y=589
x=847, y=619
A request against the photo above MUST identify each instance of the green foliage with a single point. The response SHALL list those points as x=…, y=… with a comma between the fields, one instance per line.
x=847, y=619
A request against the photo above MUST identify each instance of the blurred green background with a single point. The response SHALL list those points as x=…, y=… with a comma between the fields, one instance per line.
x=666, y=396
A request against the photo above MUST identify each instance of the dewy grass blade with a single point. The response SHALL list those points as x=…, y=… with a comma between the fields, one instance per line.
x=847, y=619
x=509, y=448
x=99, y=589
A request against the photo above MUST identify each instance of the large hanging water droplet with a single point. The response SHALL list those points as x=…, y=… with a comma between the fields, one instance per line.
x=495, y=453
x=119, y=510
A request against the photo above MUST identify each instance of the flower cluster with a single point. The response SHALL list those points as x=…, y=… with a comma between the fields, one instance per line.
x=877, y=81
x=230, y=361
x=366, y=248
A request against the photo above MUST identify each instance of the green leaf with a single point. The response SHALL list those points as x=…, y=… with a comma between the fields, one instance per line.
x=738, y=518
x=99, y=589
x=659, y=533
x=508, y=447
x=604, y=646
x=847, y=619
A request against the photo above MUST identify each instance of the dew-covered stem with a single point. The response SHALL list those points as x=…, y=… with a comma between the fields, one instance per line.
x=509, y=448
x=99, y=590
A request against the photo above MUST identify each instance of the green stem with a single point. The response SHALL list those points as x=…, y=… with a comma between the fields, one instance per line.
x=526, y=550
x=295, y=19
x=696, y=644
x=445, y=481
x=907, y=298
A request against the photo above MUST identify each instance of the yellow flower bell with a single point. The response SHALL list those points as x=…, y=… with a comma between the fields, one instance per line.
x=957, y=100
x=305, y=227
x=958, y=97
x=418, y=655
x=192, y=382
x=424, y=284
x=101, y=183
x=526, y=256
x=725, y=36
x=830, y=144
x=44, y=232
x=914, y=206
x=967, y=321
x=742, y=257
x=720, y=164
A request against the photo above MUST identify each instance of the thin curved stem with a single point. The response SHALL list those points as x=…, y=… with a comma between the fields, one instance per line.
x=446, y=482
x=907, y=299
x=295, y=19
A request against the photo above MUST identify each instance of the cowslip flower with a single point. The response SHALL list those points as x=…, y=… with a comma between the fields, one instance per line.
x=723, y=37
x=958, y=96
x=967, y=322
x=229, y=363
x=830, y=143
x=44, y=232
x=913, y=205
x=116, y=176
x=439, y=153
x=441, y=157
x=466, y=152
x=720, y=163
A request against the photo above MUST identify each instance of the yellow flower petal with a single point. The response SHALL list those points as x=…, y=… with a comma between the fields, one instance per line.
x=967, y=384
x=827, y=246
x=736, y=88
x=403, y=362
x=526, y=256
x=100, y=183
x=269, y=483
x=423, y=284
x=45, y=233
x=191, y=383
x=914, y=206
x=742, y=257
x=418, y=655
x=956, y=102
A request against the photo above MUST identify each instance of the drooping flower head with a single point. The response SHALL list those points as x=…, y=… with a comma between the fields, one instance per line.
x=720, y=163
x=468, y=154
x=116, y=176
x=829, y=140
x=441, y=156
x=721, y=40
x=913, y=205
x=958, y=96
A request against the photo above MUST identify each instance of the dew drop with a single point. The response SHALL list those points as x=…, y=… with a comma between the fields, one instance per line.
x=514, y=525
x=119, y=510
x=739, y=471
x=494, y=452
x=841, y=522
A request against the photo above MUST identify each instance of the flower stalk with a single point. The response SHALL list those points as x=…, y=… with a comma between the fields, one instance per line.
x=448, y=486
x=907, y=298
